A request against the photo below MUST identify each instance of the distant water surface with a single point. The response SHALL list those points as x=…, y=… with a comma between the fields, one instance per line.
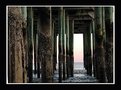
x=78, y=65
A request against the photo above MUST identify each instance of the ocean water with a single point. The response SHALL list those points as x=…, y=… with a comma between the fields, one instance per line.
x=80, y=76
x=78, y=65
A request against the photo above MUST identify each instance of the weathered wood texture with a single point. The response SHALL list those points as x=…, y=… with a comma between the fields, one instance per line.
x=93, y=36
x=45, y=46
x=30, y=42
x=60, y=17
x=17, y=46
x=63, y=40
x=67, y=45
x=55, y=48
x=109, y=43
x=99, y=48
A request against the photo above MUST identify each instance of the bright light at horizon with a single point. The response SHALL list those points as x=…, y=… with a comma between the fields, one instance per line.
x=78, y=47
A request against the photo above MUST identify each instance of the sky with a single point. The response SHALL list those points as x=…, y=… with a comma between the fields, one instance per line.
x=78, y=47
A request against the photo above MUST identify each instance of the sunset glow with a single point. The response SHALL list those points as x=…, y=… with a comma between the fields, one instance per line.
x=78, y=47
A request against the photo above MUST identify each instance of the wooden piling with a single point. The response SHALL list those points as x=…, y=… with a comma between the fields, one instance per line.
x=60, y=23
x=30, y=42
x=55, y=48
x=99, y=48
x=87, y=50
x=89, y=70
x=38, y=57
x=67, y=45
x=45, y=45
x=109, y=43
x=63, y=43
x=71, y=32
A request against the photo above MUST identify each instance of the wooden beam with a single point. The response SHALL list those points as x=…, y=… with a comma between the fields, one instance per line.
x=71, y=33
x=109, y=43
x=67, y=45
x=45, y=45
x=37, y=47
x=60, y=44
x=99, y=48
x=30, y=44
x=63, y=40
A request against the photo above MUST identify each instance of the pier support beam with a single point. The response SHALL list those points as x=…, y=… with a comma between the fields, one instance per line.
x=71, y=32
x=35, y=60
x=99, y=48
x=60, y=29
x=17, y=42
x=87, y=50
x=89, y=69
x=93, y=36
x=55, y=48
x=109, y=43
x=63, y=42
x=67, y=45
x=45, y=45
x=30, y=41
x=25, y=55
x=35, y=47
x=38, y=57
